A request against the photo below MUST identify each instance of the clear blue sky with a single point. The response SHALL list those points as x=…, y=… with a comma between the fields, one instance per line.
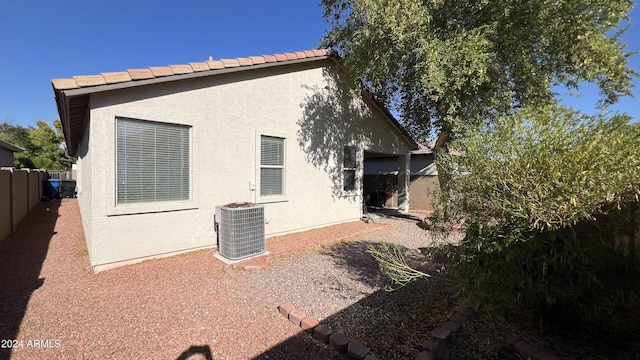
x=43, y=39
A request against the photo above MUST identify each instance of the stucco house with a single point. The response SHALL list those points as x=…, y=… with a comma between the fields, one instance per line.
x=159, y=148
x=6, y=153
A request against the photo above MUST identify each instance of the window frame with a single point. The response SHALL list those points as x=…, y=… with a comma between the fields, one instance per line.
x=355, y=151
x=261, y=199
x=115, y=208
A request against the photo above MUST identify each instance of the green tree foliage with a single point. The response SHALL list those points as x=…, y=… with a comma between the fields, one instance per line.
x=539, y=189
x=43, y=145
x=441, y=63
x=546, y=168
x=547, y=197
x=544, y=195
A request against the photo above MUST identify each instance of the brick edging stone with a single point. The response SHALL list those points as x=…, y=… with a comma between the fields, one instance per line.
x=437, y=347
x=321, y=332
x=526, y=350
x=357, y=351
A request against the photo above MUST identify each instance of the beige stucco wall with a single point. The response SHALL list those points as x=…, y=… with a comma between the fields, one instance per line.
x=227, y=115
x=19, y=193
x=83, y=186
x=421, y=189
x=35, y=189
x=5, y=203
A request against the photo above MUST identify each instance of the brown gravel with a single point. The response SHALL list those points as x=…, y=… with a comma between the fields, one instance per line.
x=342, y=287
x=188, y=307
x=193, y=306
x=175, y=308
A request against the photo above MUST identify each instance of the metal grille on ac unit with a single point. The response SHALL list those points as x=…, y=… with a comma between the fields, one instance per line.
x=240, y=228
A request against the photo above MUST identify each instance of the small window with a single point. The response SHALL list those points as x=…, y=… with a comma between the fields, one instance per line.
x=152, y=162
x=271, y=165
x=349, y=166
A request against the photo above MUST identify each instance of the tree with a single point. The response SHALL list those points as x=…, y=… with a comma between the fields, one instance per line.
x=43, y=145
x=47, y=142
x=444, y=65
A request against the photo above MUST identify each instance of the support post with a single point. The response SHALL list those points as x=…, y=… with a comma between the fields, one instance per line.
x=404, y=175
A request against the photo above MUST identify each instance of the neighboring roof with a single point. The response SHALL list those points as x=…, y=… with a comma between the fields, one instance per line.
x=72, y=94
x=420, y=165
x=424, y=149
x=10, y=147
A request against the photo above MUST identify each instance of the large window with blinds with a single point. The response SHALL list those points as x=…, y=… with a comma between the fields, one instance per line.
x=152, y=161
x=272, y=170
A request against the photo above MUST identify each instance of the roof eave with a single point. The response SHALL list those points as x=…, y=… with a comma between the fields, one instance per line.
x=63, y=97
x=157, y=80
x=63, y=105
x=6, y=145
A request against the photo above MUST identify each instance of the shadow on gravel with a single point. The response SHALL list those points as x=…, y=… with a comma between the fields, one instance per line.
x=359, y=264
x=391, y=214
x=21, y=258
x=393, y=325
x=300, y=346
x=353, y=256
x=199, y=351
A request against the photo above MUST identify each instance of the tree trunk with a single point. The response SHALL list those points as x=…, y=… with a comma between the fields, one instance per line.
x=443, y=181
x=443, y=137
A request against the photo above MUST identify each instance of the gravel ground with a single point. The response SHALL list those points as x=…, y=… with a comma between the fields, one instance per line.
x=192, y=306
x=188, y=307
x=53, y=307
x=340, y=274
x=342, y=286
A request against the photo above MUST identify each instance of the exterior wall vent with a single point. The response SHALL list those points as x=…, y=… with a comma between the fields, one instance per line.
x=240, y=229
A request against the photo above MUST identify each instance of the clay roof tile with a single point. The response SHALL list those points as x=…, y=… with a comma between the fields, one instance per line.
x=140, y=74
x=116, y=77
x=181, y=69
x=159, y=71
x=230, y=63
x=89, y=80
x=63, y=84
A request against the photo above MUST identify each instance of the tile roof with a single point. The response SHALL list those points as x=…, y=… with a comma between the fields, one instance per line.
x=162, y=71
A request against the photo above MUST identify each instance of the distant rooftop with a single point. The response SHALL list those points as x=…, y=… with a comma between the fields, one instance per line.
x=6, y=145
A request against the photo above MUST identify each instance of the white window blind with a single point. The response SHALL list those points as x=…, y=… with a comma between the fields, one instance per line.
x=349, y=167
x=152, y=161
x=271, y=165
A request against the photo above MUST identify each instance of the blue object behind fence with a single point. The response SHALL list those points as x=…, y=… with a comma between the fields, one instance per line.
x=51, y=188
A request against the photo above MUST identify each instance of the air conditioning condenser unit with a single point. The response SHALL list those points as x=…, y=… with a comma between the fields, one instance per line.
x=240, y=229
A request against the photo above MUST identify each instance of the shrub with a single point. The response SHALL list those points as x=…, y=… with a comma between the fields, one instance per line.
x=549, y=198
x=545, y=195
